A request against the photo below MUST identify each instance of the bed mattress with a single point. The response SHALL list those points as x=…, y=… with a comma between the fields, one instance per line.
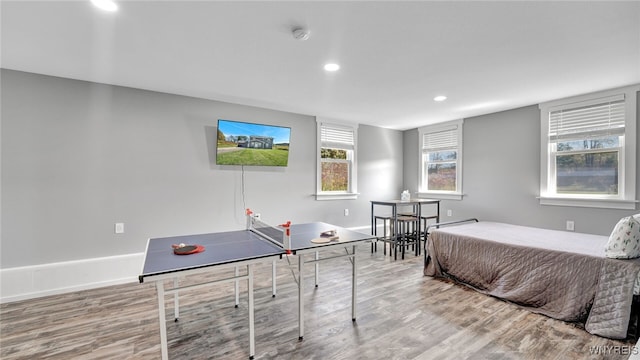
x=564, y=275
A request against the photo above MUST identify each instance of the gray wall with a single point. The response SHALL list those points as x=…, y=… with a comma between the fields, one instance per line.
x=77, y=157
x=501, y=175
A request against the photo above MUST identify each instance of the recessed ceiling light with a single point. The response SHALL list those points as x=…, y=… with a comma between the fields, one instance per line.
x=106, y=5
x=332, y=67
x=440, y=98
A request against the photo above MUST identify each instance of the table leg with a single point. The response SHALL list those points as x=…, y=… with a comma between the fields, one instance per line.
x=176, y=302
x=354, y=285
x=236, y=285
x=163, y=320
x=372, y=221
x=273, y=279
x=252, y=331
x=317, y=264
x=373, y=230
x=300, y=297
x=418, y=228
x=394, y=213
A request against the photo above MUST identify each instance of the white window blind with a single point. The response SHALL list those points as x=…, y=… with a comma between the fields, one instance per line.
x=445, y=139
x=337, y=137
x=602, y=117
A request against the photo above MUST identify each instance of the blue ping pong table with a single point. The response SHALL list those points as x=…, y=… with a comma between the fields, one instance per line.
x=234, y=249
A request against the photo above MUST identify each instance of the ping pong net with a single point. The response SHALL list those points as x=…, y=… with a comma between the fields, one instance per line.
x=279, y=235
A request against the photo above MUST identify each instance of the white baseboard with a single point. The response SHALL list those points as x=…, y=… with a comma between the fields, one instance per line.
x=28, y=282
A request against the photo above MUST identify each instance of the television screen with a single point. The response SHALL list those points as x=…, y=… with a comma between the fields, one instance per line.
x=241, y=143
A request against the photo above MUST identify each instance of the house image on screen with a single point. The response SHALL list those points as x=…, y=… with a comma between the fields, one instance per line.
x=255, y=142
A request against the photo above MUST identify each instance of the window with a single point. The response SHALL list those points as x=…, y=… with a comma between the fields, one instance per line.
x=336, y=161
x=441, y=160
x=588, y=148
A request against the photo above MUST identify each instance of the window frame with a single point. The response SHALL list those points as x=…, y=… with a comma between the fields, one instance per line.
x=626, y=197
x=423, y=191
x=351, y=193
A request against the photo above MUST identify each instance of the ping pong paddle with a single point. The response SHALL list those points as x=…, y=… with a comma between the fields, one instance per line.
x=188, y=249
x=326, y=236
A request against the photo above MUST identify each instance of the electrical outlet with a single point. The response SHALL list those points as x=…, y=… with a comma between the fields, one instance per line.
x=346, y=212
x=570, y=225
x=449, y=212
x=119, y=228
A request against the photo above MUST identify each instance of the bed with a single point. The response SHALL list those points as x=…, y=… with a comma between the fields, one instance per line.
x=564, y=275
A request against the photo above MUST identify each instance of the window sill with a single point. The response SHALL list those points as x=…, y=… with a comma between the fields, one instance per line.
x=440, y=196
x=589, y=203
x=336, y=196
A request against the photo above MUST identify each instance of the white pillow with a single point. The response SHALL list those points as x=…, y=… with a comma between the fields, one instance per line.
x=624, y=241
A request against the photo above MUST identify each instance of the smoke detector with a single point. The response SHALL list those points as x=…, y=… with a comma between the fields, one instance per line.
x=301, y=34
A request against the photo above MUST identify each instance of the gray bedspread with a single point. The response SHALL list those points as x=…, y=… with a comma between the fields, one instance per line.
x=564, y=275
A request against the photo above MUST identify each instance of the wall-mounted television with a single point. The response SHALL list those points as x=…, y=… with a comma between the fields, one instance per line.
x=243, y=143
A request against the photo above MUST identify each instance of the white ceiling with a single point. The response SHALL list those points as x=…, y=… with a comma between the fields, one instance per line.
x=395, y=56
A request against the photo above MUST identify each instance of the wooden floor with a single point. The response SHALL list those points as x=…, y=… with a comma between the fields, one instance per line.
x=401, y=315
